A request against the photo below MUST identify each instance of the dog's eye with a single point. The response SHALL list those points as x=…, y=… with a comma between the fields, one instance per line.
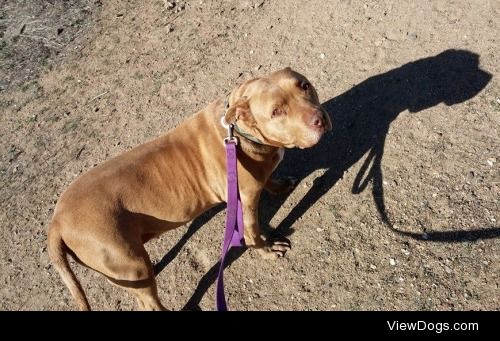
x=277, y=112
x=305, y=85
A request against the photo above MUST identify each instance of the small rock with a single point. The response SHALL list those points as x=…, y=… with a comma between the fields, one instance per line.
x=373, y=267
x=252, y=51
x=491, y=162
x=394, y=34
x=259, y=4
x=392, y=261
x=322, y=56
x=169, y=4
x=180, y=7
x=448, y=270
x=412, y=35
x=405, y=252
x=169, y=28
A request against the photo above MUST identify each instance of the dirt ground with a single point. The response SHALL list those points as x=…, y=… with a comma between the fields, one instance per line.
x=397, y=208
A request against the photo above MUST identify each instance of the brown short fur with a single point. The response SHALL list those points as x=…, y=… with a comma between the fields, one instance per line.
x=107, y=214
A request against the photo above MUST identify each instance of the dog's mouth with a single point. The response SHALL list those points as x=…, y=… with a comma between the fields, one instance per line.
x=310, y=142
x=311, y=138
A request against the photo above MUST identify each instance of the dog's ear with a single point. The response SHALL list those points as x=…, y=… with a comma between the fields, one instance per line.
x=240, y=111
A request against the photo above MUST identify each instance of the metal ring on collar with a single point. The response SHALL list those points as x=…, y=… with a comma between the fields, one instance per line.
x=230, y=136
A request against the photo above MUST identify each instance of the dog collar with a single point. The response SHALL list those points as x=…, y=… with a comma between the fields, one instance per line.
x=247, y=135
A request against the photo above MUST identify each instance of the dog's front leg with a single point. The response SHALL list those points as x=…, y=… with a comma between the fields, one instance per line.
x=281, y=186
x=270, y=248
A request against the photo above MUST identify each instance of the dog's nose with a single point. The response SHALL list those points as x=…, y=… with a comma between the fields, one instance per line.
x=317, y=121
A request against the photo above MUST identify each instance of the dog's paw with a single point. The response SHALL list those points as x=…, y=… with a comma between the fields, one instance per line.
x=282, y=186
x=275, y=248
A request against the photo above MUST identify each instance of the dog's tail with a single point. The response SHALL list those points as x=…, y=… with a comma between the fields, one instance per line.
x=58, y=253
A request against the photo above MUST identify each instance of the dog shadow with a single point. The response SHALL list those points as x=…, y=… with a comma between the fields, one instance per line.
x=361, y=119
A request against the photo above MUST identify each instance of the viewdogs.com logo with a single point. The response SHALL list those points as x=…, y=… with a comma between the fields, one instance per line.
x=437, y=327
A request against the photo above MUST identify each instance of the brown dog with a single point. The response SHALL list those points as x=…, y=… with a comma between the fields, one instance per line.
x=106, y=215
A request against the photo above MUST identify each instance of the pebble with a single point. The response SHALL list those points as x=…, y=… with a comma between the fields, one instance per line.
x=259, y=4
x=169, y=4
x=322, y=56
x=392, y=261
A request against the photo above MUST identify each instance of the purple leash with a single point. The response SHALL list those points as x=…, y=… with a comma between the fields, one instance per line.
x=233, y=235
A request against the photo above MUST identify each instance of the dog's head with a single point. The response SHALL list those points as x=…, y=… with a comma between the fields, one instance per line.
x=281, y=109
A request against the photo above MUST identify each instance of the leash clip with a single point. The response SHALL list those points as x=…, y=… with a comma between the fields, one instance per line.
x=230, y=136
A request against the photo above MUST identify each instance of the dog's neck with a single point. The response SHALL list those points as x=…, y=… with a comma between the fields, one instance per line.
x=246, y=135
x=251, y=147
x=249, y=144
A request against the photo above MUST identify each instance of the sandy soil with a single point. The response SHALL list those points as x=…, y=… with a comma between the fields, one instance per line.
x=397, y=208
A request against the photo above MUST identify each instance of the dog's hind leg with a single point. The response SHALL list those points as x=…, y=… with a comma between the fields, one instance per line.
x=120, y=256
x=140, y=279
x=144, y=291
